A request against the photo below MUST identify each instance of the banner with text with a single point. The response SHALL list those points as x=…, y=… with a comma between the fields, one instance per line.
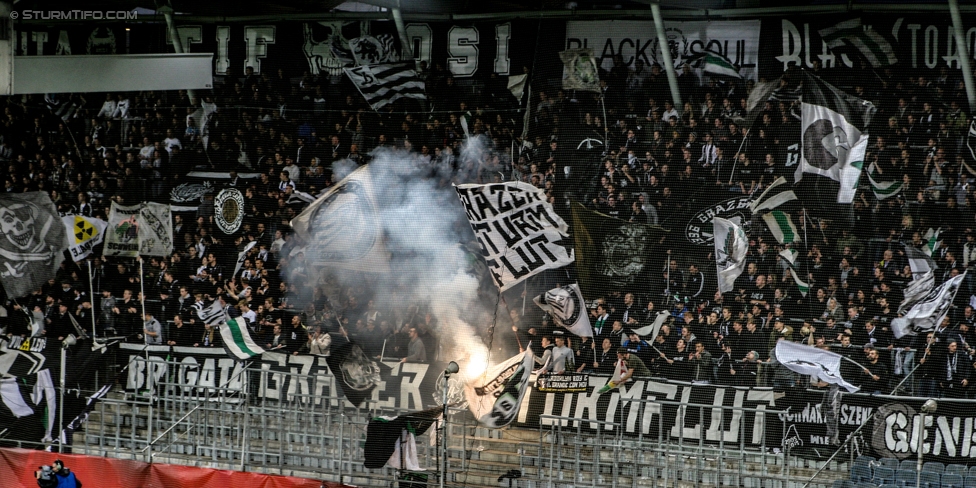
x=688, y=42
x=520, y=233
x=917, y=42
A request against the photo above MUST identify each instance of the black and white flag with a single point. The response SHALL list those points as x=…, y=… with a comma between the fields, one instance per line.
x=33, y=242
x=212, y=314
x=833, y=141
x=382, y=84
x=918, y=289
x=567, y=308
x=356, y=373
x=819, y=363
x=242, y=256
x=869, y=43
x=929, y=311
x=520, y=233
x=386, y=435
x=731, y=247
x=333, y=226
x=369, y=50
x=495, y=397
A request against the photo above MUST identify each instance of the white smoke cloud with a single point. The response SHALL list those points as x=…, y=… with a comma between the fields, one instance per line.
x=426, y=231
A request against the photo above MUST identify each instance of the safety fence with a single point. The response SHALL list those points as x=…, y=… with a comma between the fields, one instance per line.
x=644, y=441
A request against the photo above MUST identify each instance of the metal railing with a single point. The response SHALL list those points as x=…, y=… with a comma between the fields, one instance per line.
x=322, y=437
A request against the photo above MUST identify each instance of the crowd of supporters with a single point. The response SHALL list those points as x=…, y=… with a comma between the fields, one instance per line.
x=87, y=152
x=658, y=156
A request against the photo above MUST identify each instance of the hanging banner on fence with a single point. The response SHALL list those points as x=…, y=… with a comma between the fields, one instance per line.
x=722, y=414
x=563, y=383
x=303, y=378
x=521, y=235
x=688, y=41
x=915, y=42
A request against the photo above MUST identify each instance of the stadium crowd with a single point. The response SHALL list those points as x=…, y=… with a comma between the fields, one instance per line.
x=87, y=152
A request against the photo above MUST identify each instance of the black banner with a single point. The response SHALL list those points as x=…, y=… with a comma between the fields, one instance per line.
x=893, y=425
x=285, y=377
x=464, y=50
x=918, y=42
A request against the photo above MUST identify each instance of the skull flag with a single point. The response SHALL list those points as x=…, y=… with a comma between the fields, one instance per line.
x=33, y=242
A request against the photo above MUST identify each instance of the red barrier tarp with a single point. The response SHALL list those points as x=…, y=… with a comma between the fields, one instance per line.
x=17, y=467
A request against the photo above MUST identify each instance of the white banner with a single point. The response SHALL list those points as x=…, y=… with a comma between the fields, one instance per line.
x=637, y=39
x=520, y=233
x=123, y=231
x=155, y=230
x=139, y=229
x=84, y=233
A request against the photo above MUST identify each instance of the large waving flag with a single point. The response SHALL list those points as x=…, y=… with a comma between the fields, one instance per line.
x=333, y=226
x=868, y=42
x=928, y=312
x=833, y=141
x=33, y=242
x=807, y=360
x=495, y=397
x=237, y=340
x=716, y=64
x=382, y=84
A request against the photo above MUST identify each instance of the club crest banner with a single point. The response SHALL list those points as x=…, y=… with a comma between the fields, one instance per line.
x=229, y=210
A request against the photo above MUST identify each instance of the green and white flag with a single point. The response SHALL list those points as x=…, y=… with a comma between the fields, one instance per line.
x=831, y=131
x=781, y=226
x=875, y=48
x=931, y=241
x=237, y=339
x=804, y=287
x=731, y=246
x=790, y=256
x=882, y=189
x=776, y=194
x=716, y=64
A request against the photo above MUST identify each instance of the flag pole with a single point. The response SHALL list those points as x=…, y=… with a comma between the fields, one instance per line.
x=852, y=436
x=91, y=290
x=247, y=412
x=735, y=159
x=142, y=289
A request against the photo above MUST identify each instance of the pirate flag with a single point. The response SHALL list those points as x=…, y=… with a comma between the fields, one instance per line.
x=33, y=242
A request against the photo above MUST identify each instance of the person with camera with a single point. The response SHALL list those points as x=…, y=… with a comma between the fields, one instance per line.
x=45, y=477
x=64, y=476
